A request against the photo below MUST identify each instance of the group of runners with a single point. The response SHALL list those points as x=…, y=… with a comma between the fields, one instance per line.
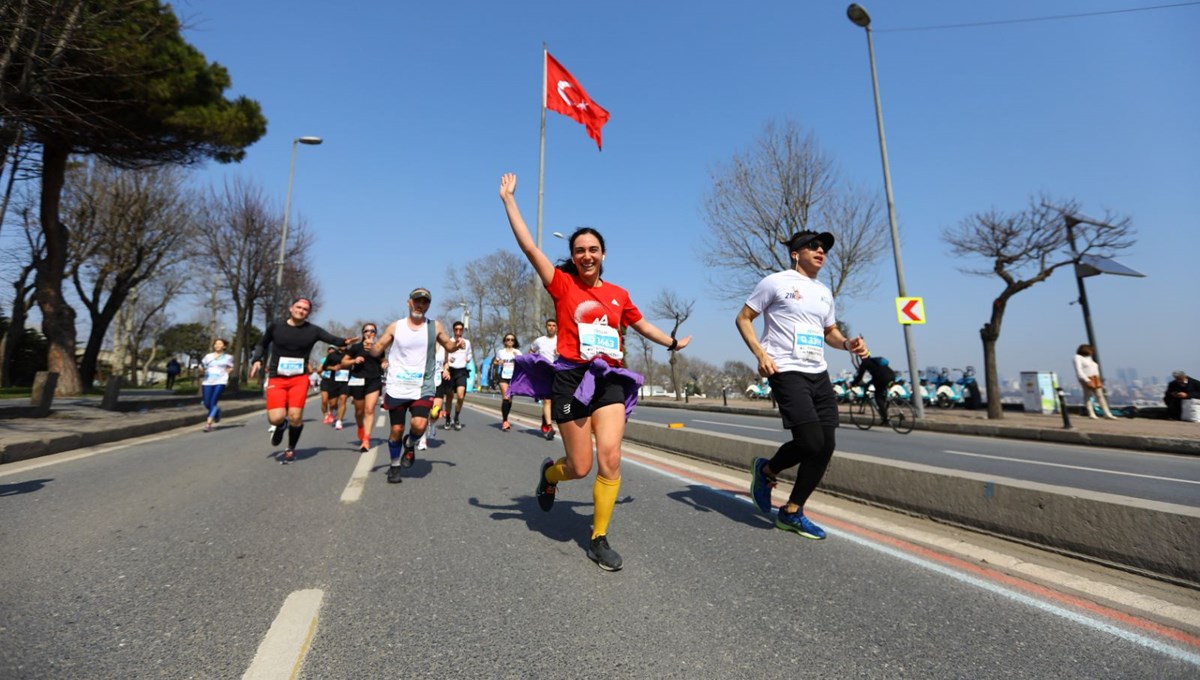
x=577, y=369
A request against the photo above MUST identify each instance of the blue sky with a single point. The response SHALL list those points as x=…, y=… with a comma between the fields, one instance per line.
x=424, y=105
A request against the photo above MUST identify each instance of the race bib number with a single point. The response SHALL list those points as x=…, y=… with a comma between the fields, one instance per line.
x=212, y=373
x=326, y=374
x=342, y=375
x=809, y=343
x=506, y=370
x=357, y=382
x=408, y=377
x=290, y=366
x=599, y=338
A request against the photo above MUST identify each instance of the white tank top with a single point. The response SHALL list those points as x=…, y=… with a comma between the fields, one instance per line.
x=410, y=372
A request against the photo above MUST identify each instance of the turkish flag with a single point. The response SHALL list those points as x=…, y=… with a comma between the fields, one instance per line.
x=564, y=95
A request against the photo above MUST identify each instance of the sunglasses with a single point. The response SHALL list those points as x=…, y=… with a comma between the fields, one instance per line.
x=814, y=245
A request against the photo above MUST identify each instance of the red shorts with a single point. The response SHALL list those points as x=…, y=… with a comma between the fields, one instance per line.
x=286, y=391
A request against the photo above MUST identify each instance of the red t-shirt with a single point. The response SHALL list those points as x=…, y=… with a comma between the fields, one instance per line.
x=577, y=303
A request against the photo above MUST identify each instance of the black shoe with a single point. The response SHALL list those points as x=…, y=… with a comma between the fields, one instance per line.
x=457, y=425
x=393, y=475
x=407, y=458
x=603, y=555
x=545, y=490
x=277, y=435
x=288, y=457
x=549, y=435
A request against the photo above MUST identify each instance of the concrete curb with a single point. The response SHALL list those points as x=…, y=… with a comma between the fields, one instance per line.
x=1158, y=538
x=1056, y=436
x=45, y=445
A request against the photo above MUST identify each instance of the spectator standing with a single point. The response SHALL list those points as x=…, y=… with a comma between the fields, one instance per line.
x=1088, y=373
x=173, y=369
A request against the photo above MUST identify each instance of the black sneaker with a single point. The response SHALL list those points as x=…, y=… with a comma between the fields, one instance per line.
x=406, y=459
x=393, y=475
x=277, y=434
x=545, y=490
x=549, y=435
x=603, y=555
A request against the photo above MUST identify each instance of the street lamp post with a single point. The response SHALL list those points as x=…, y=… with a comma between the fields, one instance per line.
x=287, y=207
x=858, y=15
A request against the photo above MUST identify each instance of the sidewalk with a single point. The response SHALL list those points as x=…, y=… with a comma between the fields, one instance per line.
x=1139, y=434
x=79, y=422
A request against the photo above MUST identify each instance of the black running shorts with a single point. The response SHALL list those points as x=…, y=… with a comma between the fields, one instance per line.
x=804, y=398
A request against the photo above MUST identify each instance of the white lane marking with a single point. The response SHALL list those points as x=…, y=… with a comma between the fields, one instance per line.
x=1070, y=467
x=744, y=427
x=287, y=642
x=358, y=479
x=967, y=551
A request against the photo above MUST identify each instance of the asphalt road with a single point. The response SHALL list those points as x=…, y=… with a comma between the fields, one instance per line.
x=175, y=557
x=1163, y=477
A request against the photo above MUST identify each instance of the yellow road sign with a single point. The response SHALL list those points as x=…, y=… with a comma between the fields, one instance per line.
x=910, y=310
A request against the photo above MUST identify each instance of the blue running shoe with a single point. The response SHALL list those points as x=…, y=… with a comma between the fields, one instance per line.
x=799, y=524
x=761, y=485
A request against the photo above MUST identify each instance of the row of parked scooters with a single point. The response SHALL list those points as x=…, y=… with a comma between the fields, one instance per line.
x=939, y=390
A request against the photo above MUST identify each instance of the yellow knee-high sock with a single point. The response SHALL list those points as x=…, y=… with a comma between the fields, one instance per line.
x=604, y=496
x=558, y=472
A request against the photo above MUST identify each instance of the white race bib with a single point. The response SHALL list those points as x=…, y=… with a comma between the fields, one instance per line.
x=326, y=374
x=408, y=376
x=506, y=370
x=290, y=366
x=357, y=382
x=809, y=343
x=342, y=375
x=599, y=338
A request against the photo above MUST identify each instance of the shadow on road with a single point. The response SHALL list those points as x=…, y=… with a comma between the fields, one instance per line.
x=704, y=499
x=23, y=487
x=563, y=523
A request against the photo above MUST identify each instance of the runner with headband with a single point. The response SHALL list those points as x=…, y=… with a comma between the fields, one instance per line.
x=365, y=383
x=592, y=394
x=290, y=341
x=506, y=356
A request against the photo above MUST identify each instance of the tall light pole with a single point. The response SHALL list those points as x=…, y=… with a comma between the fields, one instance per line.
x=287, y=208
x=859, y=17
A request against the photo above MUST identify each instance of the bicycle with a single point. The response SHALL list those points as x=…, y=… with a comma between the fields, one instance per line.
x=902, y=416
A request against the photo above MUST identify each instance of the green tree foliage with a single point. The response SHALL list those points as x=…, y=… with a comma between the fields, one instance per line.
x=191, y=339
x=115, y=79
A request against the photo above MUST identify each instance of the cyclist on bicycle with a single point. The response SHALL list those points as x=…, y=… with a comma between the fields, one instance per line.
x=882, y=377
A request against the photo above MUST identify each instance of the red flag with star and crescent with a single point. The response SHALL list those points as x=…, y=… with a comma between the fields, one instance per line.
x=565, y=95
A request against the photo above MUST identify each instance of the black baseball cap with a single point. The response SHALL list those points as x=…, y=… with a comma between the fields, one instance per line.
x=803, y=238
x=420, y=293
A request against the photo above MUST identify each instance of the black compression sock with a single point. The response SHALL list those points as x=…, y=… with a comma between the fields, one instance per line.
x=294, y=435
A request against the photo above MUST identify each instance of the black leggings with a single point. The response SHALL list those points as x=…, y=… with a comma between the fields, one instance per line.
x=811, y=448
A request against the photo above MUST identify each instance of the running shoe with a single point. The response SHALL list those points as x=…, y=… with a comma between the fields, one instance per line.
x=208, y=427
x=337, y=425
x=545, y=490
x=328, y=419
x=798, y=523
x=761, y=485
x=505, y=427
x=550, y=435
x=288, y=457
x=603, y=554
x=421, y=445
x=545, y=429
x=457, y=425
x=366, y=445
x=393, y=474
x=277, y=434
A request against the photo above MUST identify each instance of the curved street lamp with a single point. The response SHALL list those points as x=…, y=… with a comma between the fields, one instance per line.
x=287, y=207
x=859, y=17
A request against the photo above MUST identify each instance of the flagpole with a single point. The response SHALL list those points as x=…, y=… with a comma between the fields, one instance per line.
x=537, y=294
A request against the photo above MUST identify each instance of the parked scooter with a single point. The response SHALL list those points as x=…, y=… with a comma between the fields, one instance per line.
x=759, y=390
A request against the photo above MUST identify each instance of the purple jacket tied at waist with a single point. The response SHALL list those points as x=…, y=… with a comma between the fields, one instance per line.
x=533, y=376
